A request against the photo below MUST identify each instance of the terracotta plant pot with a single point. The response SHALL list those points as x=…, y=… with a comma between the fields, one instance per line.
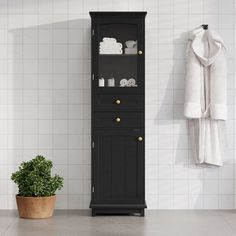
x=35, y=207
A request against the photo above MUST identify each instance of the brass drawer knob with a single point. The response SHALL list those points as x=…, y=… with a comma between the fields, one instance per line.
x=140, y=52
x=118, y=101
x=140, y=139
x=118, y=119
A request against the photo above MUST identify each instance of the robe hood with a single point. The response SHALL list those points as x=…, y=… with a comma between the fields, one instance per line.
x=198, y=38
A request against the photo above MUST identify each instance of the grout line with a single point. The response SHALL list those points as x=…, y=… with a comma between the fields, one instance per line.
x=52, y=79
x=8, y=91
x=173, y=110
x=218, y=194
x=83, y=129
x=158, y=154
x=234, y=5
x=86, y=14
x=68, y=121
x=23, y=79
x=188, y=162
x=203, y=170
x=38, y=135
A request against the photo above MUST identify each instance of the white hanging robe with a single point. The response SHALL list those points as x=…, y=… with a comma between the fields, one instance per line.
x=205, y=96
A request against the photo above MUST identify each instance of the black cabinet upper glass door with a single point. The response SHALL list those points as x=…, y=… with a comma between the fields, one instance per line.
x=119, y=52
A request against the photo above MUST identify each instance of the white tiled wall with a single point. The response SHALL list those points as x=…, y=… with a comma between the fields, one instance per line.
x=45, y=97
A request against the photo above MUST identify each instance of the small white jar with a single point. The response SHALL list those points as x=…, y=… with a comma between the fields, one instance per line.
x=111, y=82
x=101, y=82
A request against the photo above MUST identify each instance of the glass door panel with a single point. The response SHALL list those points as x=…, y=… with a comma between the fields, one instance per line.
x=117, y=55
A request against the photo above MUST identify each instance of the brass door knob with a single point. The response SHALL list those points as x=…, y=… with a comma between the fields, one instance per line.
x=140, y=52
x=118, y=119
x=118, y=101
x=140, y=139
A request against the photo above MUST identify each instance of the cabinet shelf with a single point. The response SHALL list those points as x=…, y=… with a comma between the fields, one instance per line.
x=118, y=90
x=117, y=55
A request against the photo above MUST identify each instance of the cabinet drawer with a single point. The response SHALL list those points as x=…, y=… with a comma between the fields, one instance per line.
x=118, y=102
x=118, y=119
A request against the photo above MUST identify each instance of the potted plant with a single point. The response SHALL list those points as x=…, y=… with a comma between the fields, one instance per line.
x=36, y=197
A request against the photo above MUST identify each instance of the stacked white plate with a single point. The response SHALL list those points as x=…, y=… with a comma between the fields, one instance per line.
x=128, y=82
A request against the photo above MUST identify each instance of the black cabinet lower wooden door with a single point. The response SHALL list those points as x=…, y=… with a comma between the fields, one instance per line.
x=118, y=167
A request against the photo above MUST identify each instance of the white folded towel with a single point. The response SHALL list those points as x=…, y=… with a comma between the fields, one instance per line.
x=110, y=46
x=106, y=39
x=110, y=51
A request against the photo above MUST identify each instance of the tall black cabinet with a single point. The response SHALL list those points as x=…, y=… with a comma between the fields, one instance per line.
x=118, y=164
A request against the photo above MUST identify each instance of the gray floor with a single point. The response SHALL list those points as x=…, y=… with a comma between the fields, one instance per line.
x=158, y=222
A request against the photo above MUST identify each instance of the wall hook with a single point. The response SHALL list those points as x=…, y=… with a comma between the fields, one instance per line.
x=205, y=27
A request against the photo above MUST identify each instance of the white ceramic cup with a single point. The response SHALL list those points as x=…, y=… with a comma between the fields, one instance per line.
x=131, y=43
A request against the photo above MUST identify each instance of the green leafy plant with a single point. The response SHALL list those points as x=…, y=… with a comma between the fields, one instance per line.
x=34, y=178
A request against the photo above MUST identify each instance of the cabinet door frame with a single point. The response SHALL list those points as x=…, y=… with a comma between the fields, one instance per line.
x=134, y=133
x=140, y=58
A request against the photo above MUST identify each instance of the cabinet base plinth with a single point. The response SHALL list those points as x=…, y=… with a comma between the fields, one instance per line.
x=116, y=209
